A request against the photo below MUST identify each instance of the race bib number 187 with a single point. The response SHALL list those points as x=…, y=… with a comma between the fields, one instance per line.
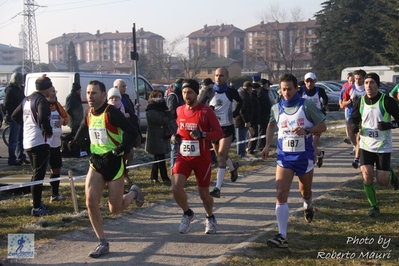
x=293, y=143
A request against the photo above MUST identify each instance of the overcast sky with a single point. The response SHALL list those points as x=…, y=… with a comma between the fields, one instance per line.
x=168, y=18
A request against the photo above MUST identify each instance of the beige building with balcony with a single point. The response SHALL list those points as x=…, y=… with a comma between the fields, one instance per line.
x=105, y=46
x=276, y=46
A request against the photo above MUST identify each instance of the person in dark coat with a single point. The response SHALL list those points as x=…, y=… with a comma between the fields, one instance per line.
x=74, y=108
x=174, y=100
x=253, y=131
x=264, y=112
x=130, y=113
x=243, y=121
x=14, y=95
x=157, y=144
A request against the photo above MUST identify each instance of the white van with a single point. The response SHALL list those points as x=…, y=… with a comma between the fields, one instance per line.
x=62, y=82
x=386, y=73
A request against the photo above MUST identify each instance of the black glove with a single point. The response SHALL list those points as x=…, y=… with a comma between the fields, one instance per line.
x=72, y=145
x=387, y=125
x=196, y=134
x=175, y=139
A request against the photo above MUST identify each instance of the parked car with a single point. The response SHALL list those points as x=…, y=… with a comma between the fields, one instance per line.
x=332, y=90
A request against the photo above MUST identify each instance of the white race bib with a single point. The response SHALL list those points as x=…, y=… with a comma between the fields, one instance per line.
x=98, y=135
x=53, y=123
x=222, y=118
x=293, y=143
x=374, y=134
x=190, y=148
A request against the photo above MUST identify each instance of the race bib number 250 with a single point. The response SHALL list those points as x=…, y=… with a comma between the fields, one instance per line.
x=190, y=148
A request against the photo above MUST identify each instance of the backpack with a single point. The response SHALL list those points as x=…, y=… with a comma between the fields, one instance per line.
x=175, y=95
x=169, y=90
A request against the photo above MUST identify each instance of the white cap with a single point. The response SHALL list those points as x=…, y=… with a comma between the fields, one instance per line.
x=114, y=92
x=310, y=75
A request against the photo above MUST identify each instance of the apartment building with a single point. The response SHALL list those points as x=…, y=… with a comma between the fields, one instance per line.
x=107, y=46
x=10, y=55
x=277, y=46
x=216, y=40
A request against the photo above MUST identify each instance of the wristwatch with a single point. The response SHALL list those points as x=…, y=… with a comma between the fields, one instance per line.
x=307, y=130
x=203, y=134
x=114, y=152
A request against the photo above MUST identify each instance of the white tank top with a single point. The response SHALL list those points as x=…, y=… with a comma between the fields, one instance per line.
x=223, y=109
x=32, y=132
x=372, y=139
x=315, y=98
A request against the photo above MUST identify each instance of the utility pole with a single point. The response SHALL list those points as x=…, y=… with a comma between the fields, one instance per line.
x=31, y=43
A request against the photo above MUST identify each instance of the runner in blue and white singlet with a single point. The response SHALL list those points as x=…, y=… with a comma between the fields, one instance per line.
x=297, y=120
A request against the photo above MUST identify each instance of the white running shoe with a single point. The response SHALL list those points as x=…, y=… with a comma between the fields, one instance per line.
x=185, y=223
x=210, y=225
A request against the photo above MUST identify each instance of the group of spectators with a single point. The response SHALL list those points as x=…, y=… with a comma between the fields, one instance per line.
x=254, y=116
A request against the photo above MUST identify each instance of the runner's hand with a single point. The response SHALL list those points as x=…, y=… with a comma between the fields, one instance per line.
x=175, y=139
x=387, y=125
x=72, y=145
x=196, y=134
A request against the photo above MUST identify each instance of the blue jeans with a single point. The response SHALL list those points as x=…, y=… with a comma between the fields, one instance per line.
x=241, y=135
x=15, y=144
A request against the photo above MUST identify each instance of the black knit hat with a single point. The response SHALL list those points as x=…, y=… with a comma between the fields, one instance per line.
x=43, y=83
x=374, y=76
x=208, y=81
x=76, y=87
x=191, y=83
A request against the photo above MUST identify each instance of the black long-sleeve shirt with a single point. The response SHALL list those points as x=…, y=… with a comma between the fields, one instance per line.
x=117, y=119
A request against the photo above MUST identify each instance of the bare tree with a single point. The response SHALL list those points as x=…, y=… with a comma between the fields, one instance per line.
x=163, y=58
x=192, y=64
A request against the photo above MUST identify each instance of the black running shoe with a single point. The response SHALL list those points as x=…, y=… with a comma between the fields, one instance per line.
x=215, y=193
x=277, y=242
x=394, y=180
x=374, y=211
x=308, y=214
x=320, y=157
x=234, y=173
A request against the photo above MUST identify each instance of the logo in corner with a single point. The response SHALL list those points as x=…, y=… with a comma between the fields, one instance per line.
x=21, y=246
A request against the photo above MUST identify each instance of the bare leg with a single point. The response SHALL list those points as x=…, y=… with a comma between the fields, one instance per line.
x=93, y=189
x=178, y=182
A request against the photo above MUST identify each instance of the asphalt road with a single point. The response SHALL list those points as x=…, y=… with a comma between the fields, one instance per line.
x=150, y=236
